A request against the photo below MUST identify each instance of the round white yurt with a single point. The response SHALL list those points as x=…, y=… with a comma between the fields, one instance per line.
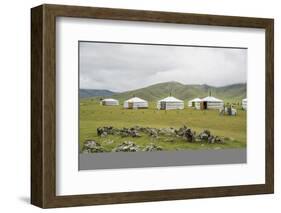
x=209, y=102
x=135, y=103
x=170, y=103
x=244, y=103
x=193, y=102
x=109, y=102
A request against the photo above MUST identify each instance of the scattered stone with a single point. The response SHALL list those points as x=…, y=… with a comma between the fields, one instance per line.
x=132, y=132
x=204, y=136
x=184, y=132
x=107, y=130
x=86, y=151
x=92, y=146
x=127, y=146
x=211, y=139
x=167, y=131
x=152, y=147
x=219, y=140
x=104, y=134
x=152, y=132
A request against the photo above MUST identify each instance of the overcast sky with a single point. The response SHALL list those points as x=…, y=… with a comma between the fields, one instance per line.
x=123, y=67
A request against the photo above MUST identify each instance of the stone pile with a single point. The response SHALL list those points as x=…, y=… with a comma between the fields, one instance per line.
x=183, y=132
x=92, y=146
x=106, y=130
x=152, y=147
x=167, y=131
x=186, y=133
x=127, y=146
x=124, y=132
x=132, y=132
x=206, y=136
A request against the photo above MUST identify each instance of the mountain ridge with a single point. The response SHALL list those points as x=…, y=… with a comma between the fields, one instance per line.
x=88, y=93
x=233, y=92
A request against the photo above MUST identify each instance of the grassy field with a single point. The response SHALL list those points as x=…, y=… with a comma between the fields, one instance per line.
x=93, y=115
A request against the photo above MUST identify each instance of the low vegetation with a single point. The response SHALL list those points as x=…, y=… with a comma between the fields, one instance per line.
x=231, y=129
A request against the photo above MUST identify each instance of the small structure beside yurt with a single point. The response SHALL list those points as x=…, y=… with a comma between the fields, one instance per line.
x=170, y=103
x=244, y=104
x=135, y=103
x=193, y=102
x=209, y=102
x=109, y=102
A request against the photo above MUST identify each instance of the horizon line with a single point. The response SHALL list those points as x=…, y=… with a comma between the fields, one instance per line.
x=164, y=83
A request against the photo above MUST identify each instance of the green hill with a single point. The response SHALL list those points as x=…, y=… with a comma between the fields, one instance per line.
x=87, y=93
x=235, y=92
x=231, y=93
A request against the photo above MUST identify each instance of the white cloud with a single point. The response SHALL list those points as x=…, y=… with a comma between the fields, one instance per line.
x=122, y=67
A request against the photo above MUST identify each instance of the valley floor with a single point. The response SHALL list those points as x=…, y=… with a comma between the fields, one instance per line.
x=93, y=116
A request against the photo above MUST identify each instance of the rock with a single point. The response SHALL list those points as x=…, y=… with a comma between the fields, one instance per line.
x=152, y=132
x=186, y=133
x=104, y=134
x=167, y=131
x=211, y=139
x=152, y=147
x=219, y=140
x=86, y=151
x=124, y=132
x=134, y=133
x=106, y=130
x=207, y=132
x=99, y=131
x=92, y=146
x=127, y=146
x=204, y=136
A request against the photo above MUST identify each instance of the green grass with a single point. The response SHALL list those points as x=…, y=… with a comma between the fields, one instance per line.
x=93, y=115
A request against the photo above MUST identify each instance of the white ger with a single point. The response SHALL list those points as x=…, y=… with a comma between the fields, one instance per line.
x=193, y=102
x=135, y=103
x=209, y=102
x=244, y=103
x=109, y=102
x=170, y=103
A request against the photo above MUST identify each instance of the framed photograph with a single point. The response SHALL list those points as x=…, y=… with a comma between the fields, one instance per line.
x=136, y=106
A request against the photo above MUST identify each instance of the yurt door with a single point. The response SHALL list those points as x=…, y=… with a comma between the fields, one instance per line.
x=162, y=105
x=203, y=105
x=130, y=105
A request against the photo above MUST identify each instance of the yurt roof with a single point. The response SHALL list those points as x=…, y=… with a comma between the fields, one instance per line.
x=195, y=100
x=135, y=99
x=211, y=99
x=170, y=99
x=109, y=99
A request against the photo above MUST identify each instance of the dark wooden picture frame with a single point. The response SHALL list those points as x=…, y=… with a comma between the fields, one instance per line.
x=43, y=105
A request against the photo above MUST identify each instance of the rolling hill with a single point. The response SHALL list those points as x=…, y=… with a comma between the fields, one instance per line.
x=87, y=93
x=235, y=92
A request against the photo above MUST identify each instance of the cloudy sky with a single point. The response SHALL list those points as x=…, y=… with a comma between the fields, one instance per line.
x=123, y=67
